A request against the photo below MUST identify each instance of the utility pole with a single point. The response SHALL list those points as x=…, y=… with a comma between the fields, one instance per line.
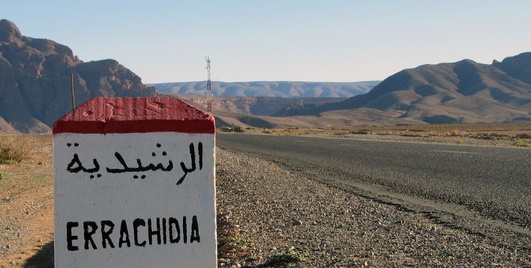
x=72, y=90
x=209, y=87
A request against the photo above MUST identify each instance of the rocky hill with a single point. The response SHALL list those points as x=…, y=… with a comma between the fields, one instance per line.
x=35, y=81
x=283, y=89
x=463, y=91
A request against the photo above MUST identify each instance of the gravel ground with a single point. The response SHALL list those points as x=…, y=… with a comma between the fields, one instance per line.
x=265, y=212
x=269, y=216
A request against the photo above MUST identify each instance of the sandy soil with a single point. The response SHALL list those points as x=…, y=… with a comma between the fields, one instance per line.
x=26, y=206
x=486, y=134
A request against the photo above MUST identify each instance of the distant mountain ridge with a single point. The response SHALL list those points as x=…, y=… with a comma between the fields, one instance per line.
x=284, y=89
x=463, y=91
x=263, y=106
x=35, y=81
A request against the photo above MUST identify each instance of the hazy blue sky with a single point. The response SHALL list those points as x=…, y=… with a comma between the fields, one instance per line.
x=253, y=40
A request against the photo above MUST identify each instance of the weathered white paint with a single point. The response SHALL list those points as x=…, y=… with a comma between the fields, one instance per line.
x=119, y=196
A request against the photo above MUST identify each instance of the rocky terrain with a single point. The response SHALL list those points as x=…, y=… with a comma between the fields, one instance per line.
x=36, y=76
x=280, y=218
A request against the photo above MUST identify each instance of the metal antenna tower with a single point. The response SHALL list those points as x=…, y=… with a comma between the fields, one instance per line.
x=209, y=87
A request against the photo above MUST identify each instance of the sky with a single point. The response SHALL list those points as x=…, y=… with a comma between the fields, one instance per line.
x=277, y=40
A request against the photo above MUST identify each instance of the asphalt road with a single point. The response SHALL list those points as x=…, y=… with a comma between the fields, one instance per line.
x=492, y=182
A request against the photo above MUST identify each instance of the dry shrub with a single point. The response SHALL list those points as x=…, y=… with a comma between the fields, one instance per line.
x=522, y=143
x=523, y=136
x=13, y=148
x=454, y=133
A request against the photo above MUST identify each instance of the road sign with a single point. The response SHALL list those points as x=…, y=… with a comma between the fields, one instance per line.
x=134, y=185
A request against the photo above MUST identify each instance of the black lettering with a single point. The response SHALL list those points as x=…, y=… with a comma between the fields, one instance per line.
x=70, y=237
x=124, y=235
x=200, y=149
x=159, y=231
x=105, y=234
x=152, y=232
x=194, y=236
x=185, y=229
x=164, y=231
x=172, y=222
x=89, y=228
x=136, y=224
x=183, y=166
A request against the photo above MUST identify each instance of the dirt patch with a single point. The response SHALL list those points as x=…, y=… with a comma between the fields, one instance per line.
x=482, y=134
x=26, y=205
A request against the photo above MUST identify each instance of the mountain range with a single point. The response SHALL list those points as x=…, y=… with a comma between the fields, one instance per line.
x=463, y=91
x=282, y=89
x=36, y=77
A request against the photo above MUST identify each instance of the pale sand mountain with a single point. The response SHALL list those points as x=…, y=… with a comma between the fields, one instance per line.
x=5, y=127
x=281, y=89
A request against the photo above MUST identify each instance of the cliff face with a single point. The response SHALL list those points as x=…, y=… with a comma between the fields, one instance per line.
x=35, y=80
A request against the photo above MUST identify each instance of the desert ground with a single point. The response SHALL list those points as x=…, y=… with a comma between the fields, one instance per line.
x=26, y=183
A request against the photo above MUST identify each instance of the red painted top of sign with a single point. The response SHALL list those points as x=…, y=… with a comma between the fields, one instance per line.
x=105, y=115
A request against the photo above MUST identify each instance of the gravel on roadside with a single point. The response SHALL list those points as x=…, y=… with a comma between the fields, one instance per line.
x=269, y=216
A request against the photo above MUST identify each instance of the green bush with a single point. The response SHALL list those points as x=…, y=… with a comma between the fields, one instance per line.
x=290, y=258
